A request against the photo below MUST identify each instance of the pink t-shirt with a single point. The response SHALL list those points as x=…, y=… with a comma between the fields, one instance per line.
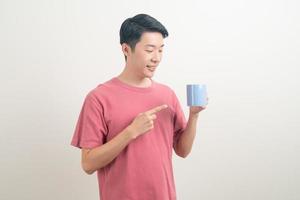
x=143, y=170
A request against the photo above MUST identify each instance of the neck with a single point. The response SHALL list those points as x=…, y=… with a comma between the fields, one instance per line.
x=131, y=78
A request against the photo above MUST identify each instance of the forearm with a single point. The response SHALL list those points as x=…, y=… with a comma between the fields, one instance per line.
x=185, y=141
x=104, y=154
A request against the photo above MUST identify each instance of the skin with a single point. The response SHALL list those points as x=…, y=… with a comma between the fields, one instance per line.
x=140, y=67
x=147, y=52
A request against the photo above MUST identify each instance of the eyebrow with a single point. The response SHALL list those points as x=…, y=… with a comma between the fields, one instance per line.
x=151, y=45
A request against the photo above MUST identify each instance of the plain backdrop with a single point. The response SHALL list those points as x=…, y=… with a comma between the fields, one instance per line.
x=53, y=52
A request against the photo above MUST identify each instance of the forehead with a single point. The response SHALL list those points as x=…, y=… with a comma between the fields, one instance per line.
x=151, y=39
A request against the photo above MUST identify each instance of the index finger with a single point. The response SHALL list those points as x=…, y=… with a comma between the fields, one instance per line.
x=156, y=109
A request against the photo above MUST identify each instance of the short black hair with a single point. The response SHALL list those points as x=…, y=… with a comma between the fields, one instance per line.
x=132, y=29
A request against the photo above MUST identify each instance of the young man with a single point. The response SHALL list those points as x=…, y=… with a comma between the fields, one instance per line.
x=129, y=125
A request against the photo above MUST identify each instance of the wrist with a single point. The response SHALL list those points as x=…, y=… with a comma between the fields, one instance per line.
x=130, y=132
x=194, y=115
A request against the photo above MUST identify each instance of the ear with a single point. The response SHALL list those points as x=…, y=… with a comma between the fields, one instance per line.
x=126, y=49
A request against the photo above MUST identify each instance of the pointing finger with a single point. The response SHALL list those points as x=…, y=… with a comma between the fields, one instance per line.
x=157, y=109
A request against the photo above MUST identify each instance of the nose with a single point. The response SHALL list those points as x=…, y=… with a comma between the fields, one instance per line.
x=156, y=57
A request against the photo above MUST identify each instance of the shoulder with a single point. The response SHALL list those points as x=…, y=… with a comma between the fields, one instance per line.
x=99, y=92
x=164, y=88
x=169, y=92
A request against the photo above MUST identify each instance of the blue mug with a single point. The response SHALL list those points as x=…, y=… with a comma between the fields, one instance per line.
x=196, y=95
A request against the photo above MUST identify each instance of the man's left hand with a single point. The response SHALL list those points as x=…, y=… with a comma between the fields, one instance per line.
x=195, y=110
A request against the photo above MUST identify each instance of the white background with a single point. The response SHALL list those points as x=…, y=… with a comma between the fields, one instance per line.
x=52, y=52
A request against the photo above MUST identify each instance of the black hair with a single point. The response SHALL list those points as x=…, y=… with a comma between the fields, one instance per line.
x=132, y=29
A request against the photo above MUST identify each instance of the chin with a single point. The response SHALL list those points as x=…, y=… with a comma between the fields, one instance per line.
x=148, y=75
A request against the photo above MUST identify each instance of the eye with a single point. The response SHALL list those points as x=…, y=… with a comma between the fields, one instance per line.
x=160, y=51
x=149, y=51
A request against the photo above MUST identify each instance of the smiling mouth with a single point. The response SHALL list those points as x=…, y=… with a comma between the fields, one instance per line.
x=151, y=68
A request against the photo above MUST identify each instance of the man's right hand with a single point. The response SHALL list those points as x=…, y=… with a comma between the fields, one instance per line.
x=144, y=122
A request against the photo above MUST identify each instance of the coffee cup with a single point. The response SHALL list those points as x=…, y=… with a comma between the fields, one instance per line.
x=196, y=95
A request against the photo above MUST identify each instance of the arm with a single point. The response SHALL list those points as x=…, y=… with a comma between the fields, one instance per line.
x=94, y=159
x=185, y=141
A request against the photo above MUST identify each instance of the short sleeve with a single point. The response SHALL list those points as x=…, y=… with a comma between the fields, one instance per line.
x=179, y=122
x=91, y=129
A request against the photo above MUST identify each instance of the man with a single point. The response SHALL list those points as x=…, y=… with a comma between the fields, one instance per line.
x=129, y=125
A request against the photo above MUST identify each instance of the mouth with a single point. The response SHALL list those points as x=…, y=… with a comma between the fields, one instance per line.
x=151, y=68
